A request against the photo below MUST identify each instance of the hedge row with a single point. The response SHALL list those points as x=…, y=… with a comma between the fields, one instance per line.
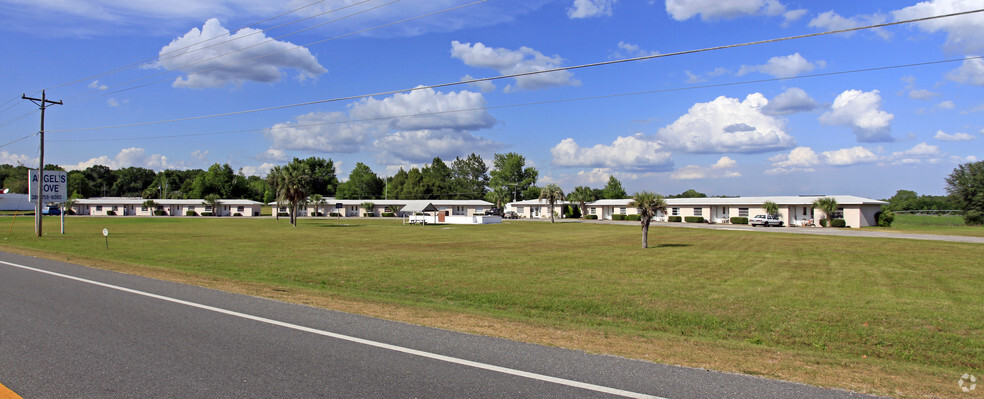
x=739, y=220
x=694, y=219
x=593, y=217
x=633, y=217
x=618, y=217
x=674, y=219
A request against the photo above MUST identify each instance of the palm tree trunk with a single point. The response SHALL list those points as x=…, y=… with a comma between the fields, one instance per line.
x=645, y=234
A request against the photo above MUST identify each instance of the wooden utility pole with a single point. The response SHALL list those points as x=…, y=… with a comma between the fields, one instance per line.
x=43, y=103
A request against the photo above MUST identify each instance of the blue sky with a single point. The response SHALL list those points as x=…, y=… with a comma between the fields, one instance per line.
x=750, y=120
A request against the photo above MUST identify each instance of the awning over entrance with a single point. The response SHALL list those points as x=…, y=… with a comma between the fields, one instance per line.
x=418, y=207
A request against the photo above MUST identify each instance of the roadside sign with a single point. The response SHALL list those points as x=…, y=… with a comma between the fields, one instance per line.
x=338, y=205
x=54, y=187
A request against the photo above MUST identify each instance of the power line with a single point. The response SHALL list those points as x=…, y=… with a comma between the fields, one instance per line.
x=545, y=102
x=521, y=74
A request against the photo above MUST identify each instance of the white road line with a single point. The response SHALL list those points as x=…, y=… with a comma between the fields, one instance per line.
x=449, y=359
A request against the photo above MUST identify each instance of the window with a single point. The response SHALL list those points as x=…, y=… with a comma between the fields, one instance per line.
x=143, y=208
x=99, y=208
x=725, y=211
x=160, y=207
x=804, y=211
x=208, y=208
x=698, y=211
x=191, y=208
x=519, y=209
x=743, y=212
x=621, y=210
x=240, y=208
x=675, y=212
x=592, y=211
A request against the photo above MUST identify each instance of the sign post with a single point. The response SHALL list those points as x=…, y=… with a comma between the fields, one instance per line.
x=338, y=211
x=52, y=185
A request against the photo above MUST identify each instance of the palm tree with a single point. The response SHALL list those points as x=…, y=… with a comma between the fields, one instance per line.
x=497, y=197
x=317, y=200
x=582, y=195
x=649, y=205
x=274, y=180
x=152, y=205
x=369, y=206
x=828, y=205
x=552, y=193
x=212, y=201
x=771, y=208
x=294, y=180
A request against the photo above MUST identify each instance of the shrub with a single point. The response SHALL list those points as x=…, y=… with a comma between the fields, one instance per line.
x=591, y=217
x=283, y=214
x=739, y=220
x=160, y=212
x=110, y=213
x=885, y=218
x=973, y=217
x=633, y=217
x=208, y=214
x=618, y=217
x=838, y=223
x=369, y=215
x=694, y=219
x=823, y=222
x=237, y=214
x=674, y=219
x=333, y=214
x=191, y=213
x=389, y=215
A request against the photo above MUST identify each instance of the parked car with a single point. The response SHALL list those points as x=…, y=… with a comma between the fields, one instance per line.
x=765, y=220
x=510, y=215
x=51, y=210
x=494, y=212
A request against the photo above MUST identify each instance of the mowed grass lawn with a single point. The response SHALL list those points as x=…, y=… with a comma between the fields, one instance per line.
x=887, y=316
x=932, y=224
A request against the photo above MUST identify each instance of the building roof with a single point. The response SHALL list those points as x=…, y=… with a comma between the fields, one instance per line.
x=418, y=206
x=158, y=201
x=754, y=201
x=330, y=201
x=538, y=202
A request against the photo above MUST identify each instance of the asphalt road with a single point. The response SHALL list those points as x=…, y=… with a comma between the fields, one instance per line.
x=68, y=331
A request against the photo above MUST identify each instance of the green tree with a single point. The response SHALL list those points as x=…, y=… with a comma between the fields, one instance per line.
x=582, y=195
x=362, y=184
x=212, y=201
x=368, y=206
x=275, y=181
x=469, y=177
x=318, y=200
x=771, y=207
x=509, y=172
x=294, y=179
x=613, y=190
x=498, y=197
x=437, y=180
x=151, y=205
x=552, y=193
x=218, y=179
x=966, y=186
x=649, y=205
x=394, y=185
x=413, y=187
x=323, y=178
x=101, y=180
x=132, y=181
x=828, y=205
x=691, y=193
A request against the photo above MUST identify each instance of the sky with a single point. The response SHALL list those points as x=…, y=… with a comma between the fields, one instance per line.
x=185, y=84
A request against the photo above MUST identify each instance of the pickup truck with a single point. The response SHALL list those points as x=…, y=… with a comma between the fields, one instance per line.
x=765, y=220
x=50, y=211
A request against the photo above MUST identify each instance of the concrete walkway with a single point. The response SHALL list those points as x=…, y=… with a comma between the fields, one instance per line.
x=804, y=230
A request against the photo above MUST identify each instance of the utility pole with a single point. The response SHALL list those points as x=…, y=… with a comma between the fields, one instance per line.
x=43, y=103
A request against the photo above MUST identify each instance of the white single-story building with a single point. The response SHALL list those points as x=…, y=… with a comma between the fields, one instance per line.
x=353, y=208
x=537, y=208
x=794, y=210
x=133, y=206
x=424, y=212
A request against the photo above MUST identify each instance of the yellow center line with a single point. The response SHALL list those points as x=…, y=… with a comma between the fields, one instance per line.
x=7, y=394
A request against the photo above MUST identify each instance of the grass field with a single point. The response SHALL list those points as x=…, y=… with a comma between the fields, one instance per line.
x=930, y=224
x=892, y=317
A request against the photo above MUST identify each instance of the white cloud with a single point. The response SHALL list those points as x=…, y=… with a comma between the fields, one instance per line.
x=970, y=72
x=274, y=154
x=371, y=119
x=636, y=152
x=508, y=62
x=922, y=94
x=595, y=176
x=133, y=156
x=629, y=50
x=233, y=59
x=791, y=101
x=709, y=10
x=260, y=171
x=484, y=86
x=590, y=8
x=694, y=78
x=964, y=33
x=849, y=156
x=423, y=145
x=830, y=21
x=862, y=112
x=783, y=67
x=199, y=154
x=97, y=86
x=718, y=170
x=946, y=105
x=112, y=103
x=920, y=153
x=793, y=15
x=727, y=125
x=942, y=136
x=17, y=159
